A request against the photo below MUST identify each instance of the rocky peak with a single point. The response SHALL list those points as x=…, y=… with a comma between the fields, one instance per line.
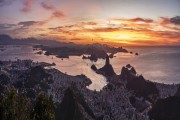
x=107, y=60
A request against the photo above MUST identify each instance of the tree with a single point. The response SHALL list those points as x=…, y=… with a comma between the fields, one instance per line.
x=43, y=108
x=24, y=107
x=15, y=106
x=9, y=106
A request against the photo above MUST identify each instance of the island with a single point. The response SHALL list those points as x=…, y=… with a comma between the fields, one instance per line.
x=90, y=51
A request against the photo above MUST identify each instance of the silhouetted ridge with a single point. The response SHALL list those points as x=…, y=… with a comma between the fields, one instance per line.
x=7, y=40
x=5, y=37
x=74, y=107
x=69, y=109
x=90, y=51
x=138, y=84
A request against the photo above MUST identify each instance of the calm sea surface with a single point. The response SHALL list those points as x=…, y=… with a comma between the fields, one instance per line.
x=159, y=64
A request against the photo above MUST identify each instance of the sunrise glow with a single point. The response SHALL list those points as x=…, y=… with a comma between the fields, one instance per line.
x=103, y=21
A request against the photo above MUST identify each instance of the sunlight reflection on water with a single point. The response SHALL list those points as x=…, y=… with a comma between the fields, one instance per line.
x=75, y=65
x=156, y=64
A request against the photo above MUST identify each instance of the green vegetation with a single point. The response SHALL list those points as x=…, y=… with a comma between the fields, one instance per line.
x=17, y=106
x=43, y=108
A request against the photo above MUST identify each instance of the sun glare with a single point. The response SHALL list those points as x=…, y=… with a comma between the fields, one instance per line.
x=123, y=36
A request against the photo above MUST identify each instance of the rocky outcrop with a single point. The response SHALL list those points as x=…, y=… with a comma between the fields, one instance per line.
x=107, y=60
x=128, y=72
x=92, y=57
x=107, y=70
x=140, y=86
x=111, y=55
x=93, y=67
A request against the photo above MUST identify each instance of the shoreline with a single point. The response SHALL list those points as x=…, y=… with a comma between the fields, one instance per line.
x=115, y=89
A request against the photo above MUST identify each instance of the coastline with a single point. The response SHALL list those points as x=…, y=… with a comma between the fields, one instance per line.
x=115, y=89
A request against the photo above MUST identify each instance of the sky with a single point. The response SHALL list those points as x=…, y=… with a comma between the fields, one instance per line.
x=114, y=22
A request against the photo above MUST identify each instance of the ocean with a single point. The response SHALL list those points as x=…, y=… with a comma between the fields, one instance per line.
x=158, y=64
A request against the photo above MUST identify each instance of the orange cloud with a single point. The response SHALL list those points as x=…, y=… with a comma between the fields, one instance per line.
x=120, y=35
x=130, y=32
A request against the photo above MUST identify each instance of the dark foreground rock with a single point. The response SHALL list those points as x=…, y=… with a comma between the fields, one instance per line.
x=74, y=107
x=93, y=67
x=140, y=86
x=4, y=79
x=69, y=109
x=166, y=109
x=178, y=92
x=37, y=75
x=125, y=97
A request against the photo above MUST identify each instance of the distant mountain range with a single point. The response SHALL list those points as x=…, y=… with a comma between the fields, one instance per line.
x=7, y=40
x=63, y=49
